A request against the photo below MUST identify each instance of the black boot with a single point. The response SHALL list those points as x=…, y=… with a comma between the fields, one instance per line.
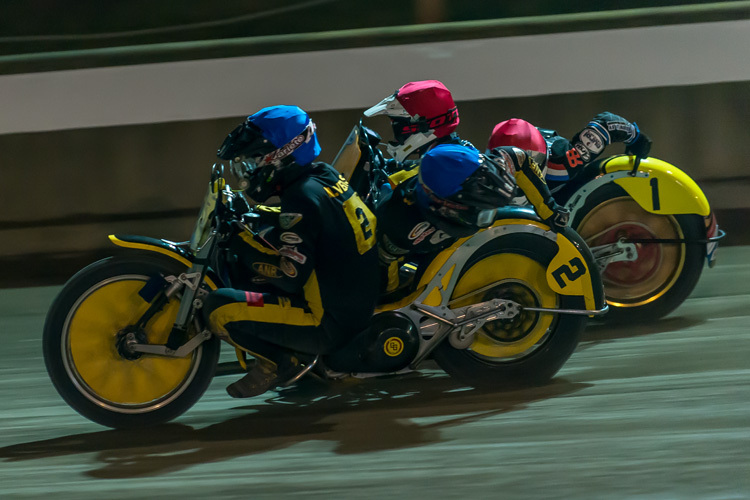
x=263, y=376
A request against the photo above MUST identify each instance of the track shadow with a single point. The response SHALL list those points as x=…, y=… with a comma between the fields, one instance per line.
x=597, y=332
x=372, y=415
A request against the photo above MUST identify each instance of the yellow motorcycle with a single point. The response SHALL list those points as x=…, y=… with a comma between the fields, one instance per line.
x=125, y=345
x=551, y=277
x=650, y=228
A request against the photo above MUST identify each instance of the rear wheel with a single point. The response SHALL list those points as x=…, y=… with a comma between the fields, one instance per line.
x=663, y=275
x=529, y=348
x=84, y=347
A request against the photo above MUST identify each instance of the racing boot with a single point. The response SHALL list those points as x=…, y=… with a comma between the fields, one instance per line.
x=264, y=375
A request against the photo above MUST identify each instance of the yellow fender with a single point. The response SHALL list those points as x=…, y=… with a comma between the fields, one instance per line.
x=163, y=247
x=569, y=273
x=666, y=189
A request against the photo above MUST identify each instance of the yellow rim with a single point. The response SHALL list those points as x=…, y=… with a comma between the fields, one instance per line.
x=654, y=273
x=518, y=278
x=92, y=351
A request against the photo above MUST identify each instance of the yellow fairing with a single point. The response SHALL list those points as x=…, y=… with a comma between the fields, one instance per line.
x=91, y=336
x=507, y=269
x=667, y=189
x=568, y=273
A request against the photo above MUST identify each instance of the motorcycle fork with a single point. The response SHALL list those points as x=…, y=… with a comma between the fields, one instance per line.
x=189, y=284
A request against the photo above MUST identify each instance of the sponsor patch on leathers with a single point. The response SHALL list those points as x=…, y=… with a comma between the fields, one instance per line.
x=292, y=253
x=291, y=238
x=287, y=220
x=288, y=268
x=267, y=270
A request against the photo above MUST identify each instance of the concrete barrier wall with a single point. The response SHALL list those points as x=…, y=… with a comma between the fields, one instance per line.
x=88, y=152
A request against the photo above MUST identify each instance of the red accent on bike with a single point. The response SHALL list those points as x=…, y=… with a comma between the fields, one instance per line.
x=629, y=273
x=712, y=226
x=254, y=299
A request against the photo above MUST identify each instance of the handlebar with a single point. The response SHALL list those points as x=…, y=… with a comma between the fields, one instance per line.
x=636, y=164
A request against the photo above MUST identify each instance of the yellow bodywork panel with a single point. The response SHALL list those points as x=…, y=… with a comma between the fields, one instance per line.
x=568, y=268
x=666, y=190
x=435, y=296
x=568, y=273
x=91, y=336
x=440, y=259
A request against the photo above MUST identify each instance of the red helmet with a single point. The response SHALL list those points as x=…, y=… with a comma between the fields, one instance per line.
x=521, y=134
x=420, y=113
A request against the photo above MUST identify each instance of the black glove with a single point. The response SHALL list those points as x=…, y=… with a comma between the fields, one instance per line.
x=559, y=219
x=640, y=147
x=240, y=205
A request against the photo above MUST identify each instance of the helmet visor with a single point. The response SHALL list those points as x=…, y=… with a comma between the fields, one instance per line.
x=389, y=106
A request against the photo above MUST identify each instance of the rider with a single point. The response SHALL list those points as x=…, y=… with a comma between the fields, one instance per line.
x=565, y=158
x=315, y=252
x=457, y=192
x=423, y=115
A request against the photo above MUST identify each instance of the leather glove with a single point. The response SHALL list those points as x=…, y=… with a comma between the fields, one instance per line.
x=559, y=219
x=640, y=147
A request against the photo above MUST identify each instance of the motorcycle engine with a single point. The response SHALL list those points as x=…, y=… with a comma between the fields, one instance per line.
x=388, y=345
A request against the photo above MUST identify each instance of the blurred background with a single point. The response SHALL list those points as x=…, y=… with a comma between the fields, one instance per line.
x=112, y=112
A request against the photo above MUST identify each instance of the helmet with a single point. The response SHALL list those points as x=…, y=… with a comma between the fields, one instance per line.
x=523, y=135
x=420, y=113
x=459, y=189
x=270, y=141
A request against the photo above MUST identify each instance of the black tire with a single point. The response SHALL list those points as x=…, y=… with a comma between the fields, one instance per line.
x=83, y=360
x=498, y=358
x=664, y=274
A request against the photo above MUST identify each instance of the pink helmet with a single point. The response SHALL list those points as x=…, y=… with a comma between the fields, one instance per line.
x=420, y=113
x=521, y=134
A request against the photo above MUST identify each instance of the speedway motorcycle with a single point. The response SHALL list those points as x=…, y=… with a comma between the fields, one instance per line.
x=650, y=228
x=125, y=345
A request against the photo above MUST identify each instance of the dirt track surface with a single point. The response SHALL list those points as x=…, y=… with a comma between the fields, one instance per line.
x=648, y=411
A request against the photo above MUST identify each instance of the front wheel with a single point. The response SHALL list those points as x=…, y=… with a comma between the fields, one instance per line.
x=528, y=349
x=86, y=359
x=662, y=275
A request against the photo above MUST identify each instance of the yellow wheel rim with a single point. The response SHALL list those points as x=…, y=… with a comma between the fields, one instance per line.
x=102, y=373
x=515, y=277
x=655, y=271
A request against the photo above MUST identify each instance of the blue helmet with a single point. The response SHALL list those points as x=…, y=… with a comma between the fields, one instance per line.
x=459, y=189
x=269, y=141
x=289, y=129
